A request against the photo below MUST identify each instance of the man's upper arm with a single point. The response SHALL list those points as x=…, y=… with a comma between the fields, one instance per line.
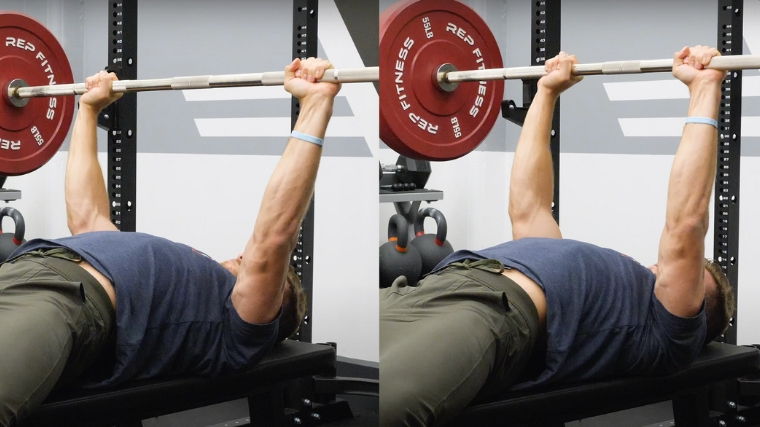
x=257, y=295
x=680, y=271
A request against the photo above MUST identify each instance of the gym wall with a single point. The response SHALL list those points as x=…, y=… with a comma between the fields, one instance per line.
x=204, y=157
x=616, y=149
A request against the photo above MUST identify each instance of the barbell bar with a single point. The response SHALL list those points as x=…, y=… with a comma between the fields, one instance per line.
x=16, y=90
x=371, y=74
x=722, y=63
x=274, y=78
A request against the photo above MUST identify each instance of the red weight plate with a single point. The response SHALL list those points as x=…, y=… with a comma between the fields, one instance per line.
x=31, y=135
x=417, y=118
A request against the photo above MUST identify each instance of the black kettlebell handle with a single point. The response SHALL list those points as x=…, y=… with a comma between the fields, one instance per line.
x=440, y=220
x=398, y=231
x=18, y=234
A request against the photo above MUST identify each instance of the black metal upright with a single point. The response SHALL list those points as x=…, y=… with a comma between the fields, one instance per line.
x=726, y=217
x=121, y=118
x=305, y=43
x=545, y=43
x=545, y=36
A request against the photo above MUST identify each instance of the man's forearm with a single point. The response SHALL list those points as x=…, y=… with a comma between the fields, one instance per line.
x=680, y=284
x=291, y=186
x=693, y=173
x=85, y=190
x=261, y=280
x=532, y=179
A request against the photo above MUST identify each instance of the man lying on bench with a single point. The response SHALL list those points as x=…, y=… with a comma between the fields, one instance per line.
x=103, y=307
x=541, y=309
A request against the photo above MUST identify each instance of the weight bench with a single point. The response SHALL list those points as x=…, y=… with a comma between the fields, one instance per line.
x=688, y=389
x=127, y=405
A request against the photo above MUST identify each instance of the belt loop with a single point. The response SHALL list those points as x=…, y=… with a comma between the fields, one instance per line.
x=489, y=265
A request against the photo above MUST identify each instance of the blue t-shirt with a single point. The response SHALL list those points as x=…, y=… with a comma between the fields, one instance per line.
x=602, y=316
x=174, y=314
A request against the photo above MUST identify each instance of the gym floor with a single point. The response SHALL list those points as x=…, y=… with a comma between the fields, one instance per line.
x=235, y=413
x=645, y=416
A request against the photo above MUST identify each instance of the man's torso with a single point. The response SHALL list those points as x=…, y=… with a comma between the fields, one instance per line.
x=601, y=315
x=173, y=311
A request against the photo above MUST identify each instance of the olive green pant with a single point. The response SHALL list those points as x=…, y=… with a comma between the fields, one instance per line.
x=54, y=320
x=466, y=332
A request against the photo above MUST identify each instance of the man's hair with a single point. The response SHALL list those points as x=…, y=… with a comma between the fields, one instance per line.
x=293, y=306
x=720, y=304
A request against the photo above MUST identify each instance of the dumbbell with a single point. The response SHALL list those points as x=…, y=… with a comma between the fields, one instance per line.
x=399, y=187
x=397, y=257
x=10, y=242
x=433, y=248
x=405, y=171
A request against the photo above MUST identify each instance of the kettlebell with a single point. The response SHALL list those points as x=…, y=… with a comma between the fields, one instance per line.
x=9, y=242
x=397, y=257
x=433, y=248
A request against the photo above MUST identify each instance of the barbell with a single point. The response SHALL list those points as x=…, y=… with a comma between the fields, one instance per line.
x=440, y=71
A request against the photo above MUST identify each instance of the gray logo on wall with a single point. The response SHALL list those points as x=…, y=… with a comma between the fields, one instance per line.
x=630, y=114
x=247, y=121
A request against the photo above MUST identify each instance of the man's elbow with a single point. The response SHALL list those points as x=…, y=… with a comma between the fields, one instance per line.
x=517, y=214
x=271, y=246
x=79, y=223
x=276, y=239
x=689, y=228
x=526, y=214
x=76, y=226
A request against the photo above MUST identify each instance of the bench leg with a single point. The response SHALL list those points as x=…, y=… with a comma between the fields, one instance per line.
x=267, y=408
x=692, y=409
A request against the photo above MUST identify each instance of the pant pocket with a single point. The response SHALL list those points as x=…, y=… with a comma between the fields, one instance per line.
x=83, y=349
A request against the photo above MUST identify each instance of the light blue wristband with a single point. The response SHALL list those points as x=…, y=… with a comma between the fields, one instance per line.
x=307, y=138
x=702, y=121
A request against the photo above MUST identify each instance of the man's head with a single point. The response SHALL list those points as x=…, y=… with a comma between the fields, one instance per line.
x=294, y=305
x=294, y=300
x=719, y=300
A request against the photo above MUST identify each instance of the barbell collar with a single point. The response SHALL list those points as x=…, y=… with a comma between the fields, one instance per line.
x=14, y=84
x=441, y=73
x=275, y=78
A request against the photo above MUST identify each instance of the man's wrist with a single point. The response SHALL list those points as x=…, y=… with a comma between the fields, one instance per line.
x=314, y=116
x=548, y=93
x=308, y=138
x=316, y=101
x=704, y=100
x=88, y=109
x=705, y=89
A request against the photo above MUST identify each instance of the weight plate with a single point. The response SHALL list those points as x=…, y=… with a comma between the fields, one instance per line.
x=418, y=118
x=31, y=135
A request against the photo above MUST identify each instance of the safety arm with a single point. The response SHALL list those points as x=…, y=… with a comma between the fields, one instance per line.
x=680, y=278
x=531, y=186
x=264, y=266
x=85, y=190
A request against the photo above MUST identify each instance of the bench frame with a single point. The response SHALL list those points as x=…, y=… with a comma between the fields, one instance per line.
x=129, y=404
x=689, y=390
